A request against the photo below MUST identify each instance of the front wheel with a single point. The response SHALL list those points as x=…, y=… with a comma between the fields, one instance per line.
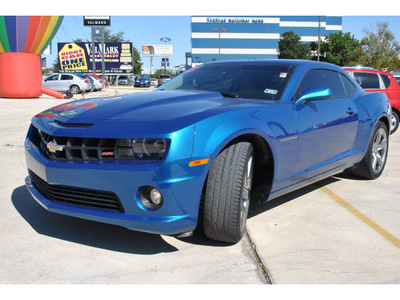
x=371, y=167
x=227, y=194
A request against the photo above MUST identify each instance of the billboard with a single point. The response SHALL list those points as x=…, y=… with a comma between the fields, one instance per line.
x=77, y=57
x=157, y=50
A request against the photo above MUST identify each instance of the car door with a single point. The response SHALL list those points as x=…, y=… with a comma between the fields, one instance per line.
x=326, y=127
x=51, y=82
x=66, y=81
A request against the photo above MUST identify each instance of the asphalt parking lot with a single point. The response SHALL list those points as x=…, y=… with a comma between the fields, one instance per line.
x=341, y=230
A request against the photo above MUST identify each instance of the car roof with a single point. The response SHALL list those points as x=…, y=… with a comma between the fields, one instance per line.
x=354, y=69
x=297, y=62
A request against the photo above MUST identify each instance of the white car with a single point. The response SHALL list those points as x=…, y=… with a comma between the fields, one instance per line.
x=67, y=82
x=98, y=83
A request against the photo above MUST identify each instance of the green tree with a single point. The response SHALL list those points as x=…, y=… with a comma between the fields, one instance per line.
x=380, y=48
x=109, y=37
x=341, y=49
x=161, y=71
x=291, y=47
x=137, y=63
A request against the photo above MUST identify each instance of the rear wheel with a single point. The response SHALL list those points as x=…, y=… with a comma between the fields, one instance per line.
x=227, y=195
x=371, y=167
x=74, y=89
x=395, y=122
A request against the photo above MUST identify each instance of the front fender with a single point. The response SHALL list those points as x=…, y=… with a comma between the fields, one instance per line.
x=214, y=133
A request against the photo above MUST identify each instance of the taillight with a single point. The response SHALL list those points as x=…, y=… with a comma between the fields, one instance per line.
x=86, y=81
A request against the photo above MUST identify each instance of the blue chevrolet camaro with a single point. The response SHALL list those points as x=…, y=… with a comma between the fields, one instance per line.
x=200, y=148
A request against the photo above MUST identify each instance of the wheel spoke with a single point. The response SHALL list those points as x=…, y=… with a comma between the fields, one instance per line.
x=379, y=150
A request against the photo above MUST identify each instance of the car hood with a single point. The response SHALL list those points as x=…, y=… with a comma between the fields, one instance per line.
x=168, y=110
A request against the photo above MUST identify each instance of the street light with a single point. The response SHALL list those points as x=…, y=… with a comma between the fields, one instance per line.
x=219, y=40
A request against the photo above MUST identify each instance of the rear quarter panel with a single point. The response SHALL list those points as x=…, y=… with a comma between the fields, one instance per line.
x=371, y=107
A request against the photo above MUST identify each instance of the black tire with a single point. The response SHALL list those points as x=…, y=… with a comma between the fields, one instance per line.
x=373, y=164
x=227, y=195
x=395, y=122
x=74, y=89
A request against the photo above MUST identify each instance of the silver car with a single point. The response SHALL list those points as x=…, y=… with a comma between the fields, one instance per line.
x=67, y=82
x=163, y=79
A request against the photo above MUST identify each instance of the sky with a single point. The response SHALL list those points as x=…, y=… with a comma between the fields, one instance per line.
x=146, y=22
x=148, y=30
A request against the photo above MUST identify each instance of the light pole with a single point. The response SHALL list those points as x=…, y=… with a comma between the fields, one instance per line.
x=319, y=38
x=219, y=40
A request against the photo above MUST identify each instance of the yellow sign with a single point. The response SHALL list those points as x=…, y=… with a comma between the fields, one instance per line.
x=72, y=57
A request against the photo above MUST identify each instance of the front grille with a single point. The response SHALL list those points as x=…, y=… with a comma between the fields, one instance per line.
x=75, y=148
x=77, y=196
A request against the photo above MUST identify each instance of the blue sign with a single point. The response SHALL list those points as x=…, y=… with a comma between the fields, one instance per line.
x=165, y=39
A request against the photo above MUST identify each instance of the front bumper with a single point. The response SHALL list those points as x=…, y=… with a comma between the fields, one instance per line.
x=180, y=185
x=138, y=84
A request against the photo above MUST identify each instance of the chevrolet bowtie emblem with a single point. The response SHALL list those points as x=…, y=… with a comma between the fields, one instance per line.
x=53, y=147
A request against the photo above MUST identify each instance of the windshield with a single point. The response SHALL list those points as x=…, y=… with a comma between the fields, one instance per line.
x=142, y=77
x=254, y=80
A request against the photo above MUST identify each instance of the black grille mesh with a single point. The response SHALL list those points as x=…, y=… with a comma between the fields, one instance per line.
x=77, y=196
x=73, y=148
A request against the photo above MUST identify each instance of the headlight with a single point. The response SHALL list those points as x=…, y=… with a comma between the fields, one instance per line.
x=142, y=148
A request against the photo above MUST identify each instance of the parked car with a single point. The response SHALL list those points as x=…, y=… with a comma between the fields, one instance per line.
x=378, y=81
x=97, y=82
x=67, y=82
x=163, y=79
x=103, y=81
x=153, y=81
x=396, y=76
x=197, y=150
x=123, y=80
x=90, y=80
x=142, y=80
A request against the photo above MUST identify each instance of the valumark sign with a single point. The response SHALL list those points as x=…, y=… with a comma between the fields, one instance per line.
x=77, y=57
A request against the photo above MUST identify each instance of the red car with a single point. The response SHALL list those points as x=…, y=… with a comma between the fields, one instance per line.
x=372, y=80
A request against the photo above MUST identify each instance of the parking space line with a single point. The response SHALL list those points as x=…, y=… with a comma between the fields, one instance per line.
x=383, y=232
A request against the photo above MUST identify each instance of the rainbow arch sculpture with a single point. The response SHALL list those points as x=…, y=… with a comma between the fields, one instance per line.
x=22, y=40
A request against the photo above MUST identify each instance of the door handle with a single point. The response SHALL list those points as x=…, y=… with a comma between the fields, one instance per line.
x=351, y=111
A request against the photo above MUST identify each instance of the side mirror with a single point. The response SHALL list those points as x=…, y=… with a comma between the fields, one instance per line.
x=315, y=93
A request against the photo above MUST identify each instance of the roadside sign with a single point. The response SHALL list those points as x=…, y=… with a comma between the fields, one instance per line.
x=96, y=21
x=165, y=39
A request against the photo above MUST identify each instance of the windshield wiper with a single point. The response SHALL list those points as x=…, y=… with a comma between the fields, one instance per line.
x=228, y=94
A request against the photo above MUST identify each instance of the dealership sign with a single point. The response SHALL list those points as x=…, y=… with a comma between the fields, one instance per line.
x=96, y=21
x=165, y=39
x=157, y=50
x=77, y=57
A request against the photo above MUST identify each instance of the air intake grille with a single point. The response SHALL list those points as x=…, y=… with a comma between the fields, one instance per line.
x=77, y=196
x=73, y=148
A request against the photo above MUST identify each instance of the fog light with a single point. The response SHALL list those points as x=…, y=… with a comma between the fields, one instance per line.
x=151, y=197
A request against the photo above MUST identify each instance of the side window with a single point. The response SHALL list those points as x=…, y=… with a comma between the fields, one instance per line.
x=348, y=85
x=386, y=80
x=322, y=78
x=367, y=80
x=53, y=77
x=66, y=77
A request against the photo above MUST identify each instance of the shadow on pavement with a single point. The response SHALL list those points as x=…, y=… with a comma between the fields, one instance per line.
x=99, y=235
x=256, y=208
